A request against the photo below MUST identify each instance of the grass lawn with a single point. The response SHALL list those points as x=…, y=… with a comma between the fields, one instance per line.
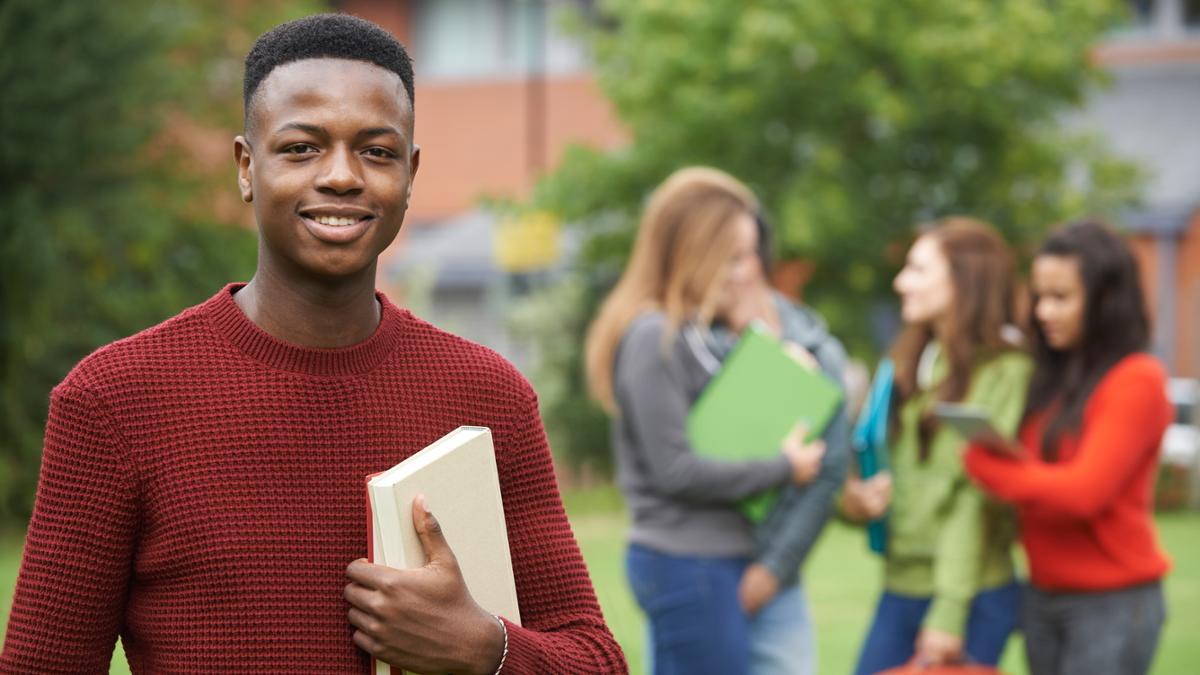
x=842, y=581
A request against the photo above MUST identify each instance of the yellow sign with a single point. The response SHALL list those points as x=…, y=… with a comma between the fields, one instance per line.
x=527, y=242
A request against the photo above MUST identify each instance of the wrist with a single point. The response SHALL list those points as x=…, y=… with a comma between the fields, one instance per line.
x=491, y=649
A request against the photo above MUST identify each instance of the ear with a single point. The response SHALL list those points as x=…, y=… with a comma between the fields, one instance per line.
x=245, y=167
x=414, y=162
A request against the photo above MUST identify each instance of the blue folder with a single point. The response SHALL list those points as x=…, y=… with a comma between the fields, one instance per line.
x=870, y=441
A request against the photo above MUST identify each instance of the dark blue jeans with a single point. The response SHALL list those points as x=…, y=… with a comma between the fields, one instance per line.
x=692, y=607
x=892, y=639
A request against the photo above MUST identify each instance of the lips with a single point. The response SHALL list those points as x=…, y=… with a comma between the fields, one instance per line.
x=337, y=226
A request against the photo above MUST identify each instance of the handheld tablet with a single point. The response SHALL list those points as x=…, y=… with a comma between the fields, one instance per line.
x=972, y=423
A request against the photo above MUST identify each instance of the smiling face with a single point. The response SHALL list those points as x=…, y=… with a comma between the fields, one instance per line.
x=742, y=271
x=925, y=285
x=1060, y=300
x=328, y=162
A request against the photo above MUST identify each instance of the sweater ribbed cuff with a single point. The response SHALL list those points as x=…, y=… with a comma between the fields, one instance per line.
x=524, y=654
x=948, y=615
x=783, y=566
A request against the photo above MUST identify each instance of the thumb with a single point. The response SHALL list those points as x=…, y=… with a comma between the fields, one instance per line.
x=429, y=531
x=798, y=433
x=882, y=482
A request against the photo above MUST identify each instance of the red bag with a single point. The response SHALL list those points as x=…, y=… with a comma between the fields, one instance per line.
x=963, y=669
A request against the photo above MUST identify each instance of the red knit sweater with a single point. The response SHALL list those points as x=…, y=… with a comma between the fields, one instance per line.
x=201, y=495
x=1086, y=519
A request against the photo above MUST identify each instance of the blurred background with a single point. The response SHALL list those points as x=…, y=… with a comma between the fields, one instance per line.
x=543, y=126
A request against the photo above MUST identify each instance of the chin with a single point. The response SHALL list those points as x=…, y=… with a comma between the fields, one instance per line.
x=334, y=271
x=913, y=318
x=1055, y=343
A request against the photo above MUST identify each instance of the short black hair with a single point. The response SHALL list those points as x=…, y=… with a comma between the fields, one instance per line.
x=332, y=36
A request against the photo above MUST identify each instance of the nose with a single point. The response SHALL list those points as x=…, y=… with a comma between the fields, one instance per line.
x=341, y=173
x=1042, y=310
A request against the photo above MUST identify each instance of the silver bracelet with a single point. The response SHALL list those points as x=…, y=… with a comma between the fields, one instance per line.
x=503, y=655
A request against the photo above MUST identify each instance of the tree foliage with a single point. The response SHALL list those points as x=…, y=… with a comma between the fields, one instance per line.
x=853, y=122
x=104, y=229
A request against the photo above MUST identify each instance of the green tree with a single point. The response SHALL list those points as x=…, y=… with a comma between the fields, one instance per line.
x=853, y=121
x=103, y=229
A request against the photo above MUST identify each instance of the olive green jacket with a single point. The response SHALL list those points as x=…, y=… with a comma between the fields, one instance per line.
x=946, y=539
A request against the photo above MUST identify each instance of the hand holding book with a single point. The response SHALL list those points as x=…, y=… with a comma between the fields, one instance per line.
x=805, y=458
x=422, y=619
x=866, y=500
x=422, y=602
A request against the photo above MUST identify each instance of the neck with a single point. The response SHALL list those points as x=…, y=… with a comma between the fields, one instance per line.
x=313, y=314
x=941, y=330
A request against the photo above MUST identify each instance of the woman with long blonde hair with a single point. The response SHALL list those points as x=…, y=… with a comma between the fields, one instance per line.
x=697, y=569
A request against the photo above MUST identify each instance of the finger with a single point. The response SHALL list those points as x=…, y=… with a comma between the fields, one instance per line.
x=367, y=643
x=818, y=447
x=798, y=432
x=800, y=355
x=880, y=481
x=429, y=531
x=368, y=574
x=367, y=623
x=361, y=597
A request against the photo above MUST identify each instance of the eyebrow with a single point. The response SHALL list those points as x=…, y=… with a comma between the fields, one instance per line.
x=318, y=130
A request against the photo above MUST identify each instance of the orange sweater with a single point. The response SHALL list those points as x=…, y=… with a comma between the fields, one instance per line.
x=1086, y=519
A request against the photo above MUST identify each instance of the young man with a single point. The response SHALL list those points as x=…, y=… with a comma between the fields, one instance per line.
x=202, y=492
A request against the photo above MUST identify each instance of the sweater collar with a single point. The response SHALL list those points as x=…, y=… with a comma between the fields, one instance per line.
x=232, y=323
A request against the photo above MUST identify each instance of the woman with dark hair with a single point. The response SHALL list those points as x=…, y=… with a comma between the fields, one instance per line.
x=1096, y=413
x=949, y=588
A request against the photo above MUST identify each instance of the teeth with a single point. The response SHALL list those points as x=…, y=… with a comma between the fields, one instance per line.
x=334, y=221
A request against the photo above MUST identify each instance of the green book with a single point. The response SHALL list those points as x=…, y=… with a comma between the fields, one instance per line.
x=754, y=401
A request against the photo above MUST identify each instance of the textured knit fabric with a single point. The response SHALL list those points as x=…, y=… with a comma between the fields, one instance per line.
x=1086, y=520
x=202, y=492
x=680, y=503
x=945, y=538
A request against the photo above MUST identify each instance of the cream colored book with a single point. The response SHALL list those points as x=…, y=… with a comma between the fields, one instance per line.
x=458, y=476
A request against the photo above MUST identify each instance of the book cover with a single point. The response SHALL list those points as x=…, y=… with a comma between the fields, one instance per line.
x=754, y=401
x=870, y=441
x=458, y=476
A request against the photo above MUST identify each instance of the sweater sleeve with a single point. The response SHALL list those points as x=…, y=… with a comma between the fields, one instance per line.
x=1123, y=427
x=563, y=630
x=653, y=400
x=69, y=600
x=958, y=558
x=791, y=529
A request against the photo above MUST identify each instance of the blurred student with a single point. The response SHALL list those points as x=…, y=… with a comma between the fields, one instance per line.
x=949, y=588
x=782, y=638
x=693, y=562
x=1096, y=413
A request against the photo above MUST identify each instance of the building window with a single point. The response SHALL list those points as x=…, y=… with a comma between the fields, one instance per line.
x=1142, y=12
x=1191, y=14
x=495, y=39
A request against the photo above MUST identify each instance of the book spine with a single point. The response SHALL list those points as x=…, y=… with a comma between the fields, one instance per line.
x=377, y=667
